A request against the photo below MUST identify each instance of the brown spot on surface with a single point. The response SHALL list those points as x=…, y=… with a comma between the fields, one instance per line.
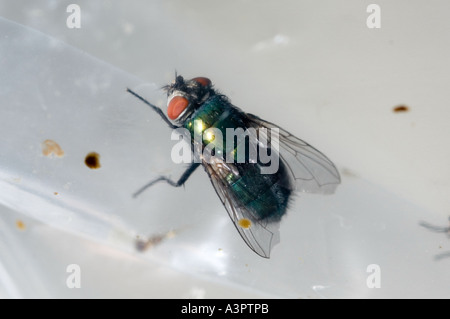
x=92, y=160
x=20, y=225
x=50, y=147
x=145, y=244
x=56, y=193
x=401, y=108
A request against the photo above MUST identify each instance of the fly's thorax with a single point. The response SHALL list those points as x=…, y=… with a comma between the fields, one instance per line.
x=205, y=136
x=205, y=116
x=218, y=129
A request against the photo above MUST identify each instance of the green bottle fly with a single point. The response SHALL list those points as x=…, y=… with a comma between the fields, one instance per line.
x=254, y=165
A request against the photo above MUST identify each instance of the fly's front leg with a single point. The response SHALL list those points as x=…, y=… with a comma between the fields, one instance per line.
x=154, y=107
x=178, y=183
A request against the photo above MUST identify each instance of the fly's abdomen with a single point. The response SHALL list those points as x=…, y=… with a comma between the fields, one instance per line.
x=266, y=195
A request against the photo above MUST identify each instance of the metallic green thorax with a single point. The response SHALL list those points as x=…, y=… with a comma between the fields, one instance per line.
x=217, y=113
x=266, y=195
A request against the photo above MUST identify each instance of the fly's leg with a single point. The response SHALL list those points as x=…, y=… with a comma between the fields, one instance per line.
x=437, y=229
x=154, y=107
x=178, y=183
x=186, y=174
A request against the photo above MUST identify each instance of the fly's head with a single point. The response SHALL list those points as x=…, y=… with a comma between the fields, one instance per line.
x=185, y=96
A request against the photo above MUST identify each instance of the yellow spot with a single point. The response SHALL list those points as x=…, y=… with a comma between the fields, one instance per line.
x=20, y=224
x=209, y=136
x=50, y=147
x=244, y=223
x=199, y=125
x=56, y=193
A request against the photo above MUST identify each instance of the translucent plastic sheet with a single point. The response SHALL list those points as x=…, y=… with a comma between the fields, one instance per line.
x=59, y=104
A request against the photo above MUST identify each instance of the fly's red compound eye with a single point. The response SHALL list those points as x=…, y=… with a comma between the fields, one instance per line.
x=176, y=106
x=202, y=81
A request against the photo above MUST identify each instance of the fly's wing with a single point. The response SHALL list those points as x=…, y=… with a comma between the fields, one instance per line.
x=312, y=171
x=260, y=236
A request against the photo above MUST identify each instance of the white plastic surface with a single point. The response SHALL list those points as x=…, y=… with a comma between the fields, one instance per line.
x=325, y=77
